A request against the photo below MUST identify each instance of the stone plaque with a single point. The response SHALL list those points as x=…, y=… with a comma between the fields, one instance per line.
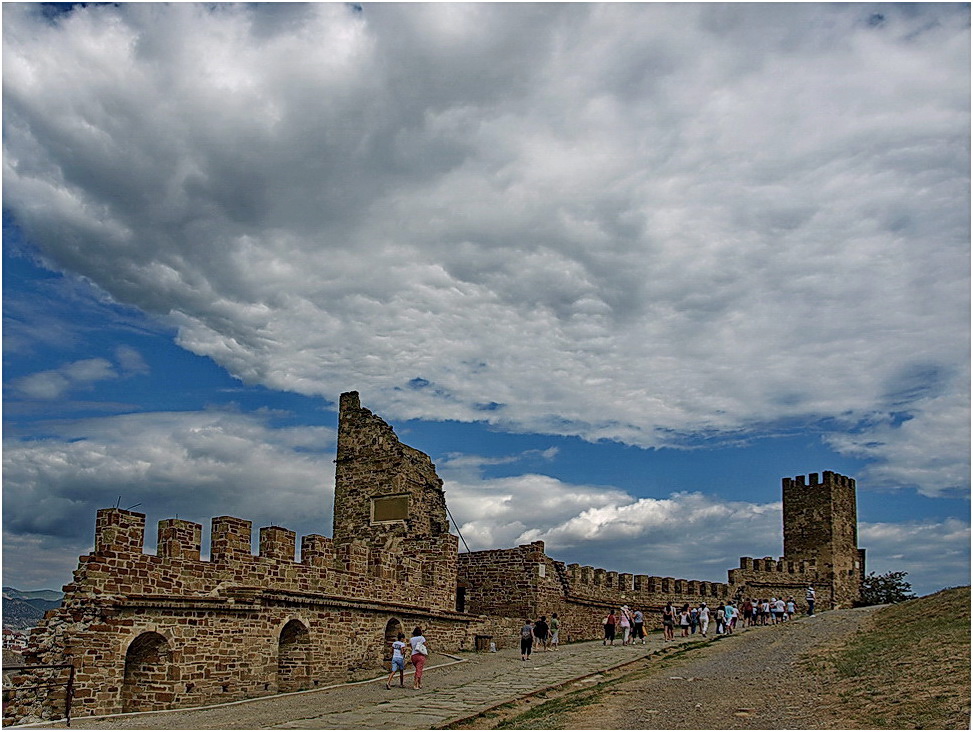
x=390, y=508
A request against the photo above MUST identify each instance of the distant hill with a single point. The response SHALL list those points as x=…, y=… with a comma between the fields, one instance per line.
x=14, y=593
x=23, y=610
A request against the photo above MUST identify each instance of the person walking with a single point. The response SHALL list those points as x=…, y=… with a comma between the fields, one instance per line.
x=693, y=619
x=541, y=632
x=791, y=608
x=625, y=623
x=420, y=652
x=747, y=610
x=720, y=619
x=526, y=640
x=610, y=622
x=703, y=618
x=728, y=613
x=555, y=630
x=668, y=622
x=398, y=661
x=809, y=597
x=684, y=621
x=638, y=624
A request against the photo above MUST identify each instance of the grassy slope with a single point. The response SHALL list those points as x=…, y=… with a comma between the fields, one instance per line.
x=910, y=667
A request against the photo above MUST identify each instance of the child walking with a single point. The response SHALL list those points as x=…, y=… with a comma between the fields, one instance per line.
x=398, y=661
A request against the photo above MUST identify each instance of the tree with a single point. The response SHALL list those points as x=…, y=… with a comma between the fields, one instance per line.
x=880, y=589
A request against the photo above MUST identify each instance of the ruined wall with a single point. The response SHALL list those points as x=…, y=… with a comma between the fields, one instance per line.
x=171, y=629
x=224, y=649
x=167, y=630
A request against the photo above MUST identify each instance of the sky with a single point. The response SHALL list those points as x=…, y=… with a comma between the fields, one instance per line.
x=617, y=268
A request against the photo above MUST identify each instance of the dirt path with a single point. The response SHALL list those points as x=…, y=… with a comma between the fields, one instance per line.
x=751, y=680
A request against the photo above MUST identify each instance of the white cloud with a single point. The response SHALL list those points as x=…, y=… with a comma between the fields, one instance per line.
x=936, y=554
x=79, y=375
x=194, y=465
x=925, y=451
x=130, y=361
x=55, y=383
x=633, y=222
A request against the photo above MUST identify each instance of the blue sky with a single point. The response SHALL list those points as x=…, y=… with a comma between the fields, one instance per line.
x=617, y=268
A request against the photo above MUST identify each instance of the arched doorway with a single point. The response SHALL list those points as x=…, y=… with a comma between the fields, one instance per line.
x=293, y=657
x=392, y=629
x=148, y=674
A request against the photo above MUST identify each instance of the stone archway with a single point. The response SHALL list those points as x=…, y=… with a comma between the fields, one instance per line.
x=293, y=657
x=147, y=683
x=392, y=629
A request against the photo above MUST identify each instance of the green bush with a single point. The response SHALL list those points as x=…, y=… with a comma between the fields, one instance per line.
x=885, y=589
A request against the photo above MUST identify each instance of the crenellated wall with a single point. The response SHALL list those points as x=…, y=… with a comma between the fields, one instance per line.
x=524, y=582
x=119, y=565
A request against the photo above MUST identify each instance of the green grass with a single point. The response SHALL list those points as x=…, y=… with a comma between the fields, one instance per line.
x=910, y=669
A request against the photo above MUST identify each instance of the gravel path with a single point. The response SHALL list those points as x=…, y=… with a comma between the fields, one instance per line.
x=750, y=680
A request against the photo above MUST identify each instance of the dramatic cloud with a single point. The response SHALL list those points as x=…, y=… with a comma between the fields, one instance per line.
x=190, y=464
x=640, y=222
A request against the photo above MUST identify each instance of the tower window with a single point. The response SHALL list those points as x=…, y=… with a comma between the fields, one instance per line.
x=390, y=508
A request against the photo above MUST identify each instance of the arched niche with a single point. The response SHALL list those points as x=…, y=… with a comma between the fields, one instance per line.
x=147, y=682
x=293, y=657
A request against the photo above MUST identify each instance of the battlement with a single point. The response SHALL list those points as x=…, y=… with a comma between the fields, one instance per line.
x=829, y=479
x=119, y=563
x=591, y=582
x=769, y=564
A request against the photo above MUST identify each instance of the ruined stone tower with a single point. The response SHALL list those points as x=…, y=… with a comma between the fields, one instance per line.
x=389, y=500
x=821, y=525
x=385, y=491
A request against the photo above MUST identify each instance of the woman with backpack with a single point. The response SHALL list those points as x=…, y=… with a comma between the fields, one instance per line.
x=526, y=640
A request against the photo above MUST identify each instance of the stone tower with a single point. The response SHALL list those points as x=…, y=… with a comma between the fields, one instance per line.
x=821, y=525
x=385, y=491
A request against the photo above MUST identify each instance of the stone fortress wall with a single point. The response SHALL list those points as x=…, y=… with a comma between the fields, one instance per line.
x=173, y=629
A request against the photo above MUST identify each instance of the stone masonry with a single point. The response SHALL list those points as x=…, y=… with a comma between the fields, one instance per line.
x=173, y=629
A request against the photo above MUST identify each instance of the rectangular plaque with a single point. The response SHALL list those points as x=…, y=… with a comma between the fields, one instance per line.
x=390, y=508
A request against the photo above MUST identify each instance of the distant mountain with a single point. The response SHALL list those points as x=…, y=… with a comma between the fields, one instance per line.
x=23, y=610
x=16, y=594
